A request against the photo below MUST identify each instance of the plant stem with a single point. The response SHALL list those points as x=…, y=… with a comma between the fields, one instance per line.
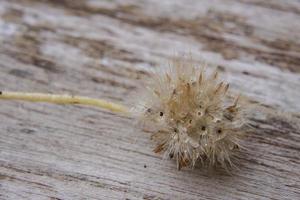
x=63, y=99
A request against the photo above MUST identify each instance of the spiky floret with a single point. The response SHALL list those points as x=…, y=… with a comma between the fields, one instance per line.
x=193, y=117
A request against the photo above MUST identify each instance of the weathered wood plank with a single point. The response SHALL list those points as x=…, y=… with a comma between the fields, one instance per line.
x=106, y=49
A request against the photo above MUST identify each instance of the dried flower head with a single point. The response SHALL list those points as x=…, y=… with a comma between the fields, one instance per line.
x=193, y=116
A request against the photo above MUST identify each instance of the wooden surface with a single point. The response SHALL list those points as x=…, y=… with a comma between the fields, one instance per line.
x=106, y=49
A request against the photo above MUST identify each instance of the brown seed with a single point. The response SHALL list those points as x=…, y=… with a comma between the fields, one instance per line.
x=200, y=78
x=159, y=148
x=157, y=93
x=218, y=87
x=215, y=75
x=226, y=88
x=168, y=78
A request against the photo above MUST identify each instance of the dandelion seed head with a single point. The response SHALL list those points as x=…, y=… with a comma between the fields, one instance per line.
x=192, y=115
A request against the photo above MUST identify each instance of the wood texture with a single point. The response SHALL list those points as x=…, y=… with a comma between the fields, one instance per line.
x=106, y=49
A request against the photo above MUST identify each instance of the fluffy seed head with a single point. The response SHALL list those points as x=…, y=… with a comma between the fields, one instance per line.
x=192, y=115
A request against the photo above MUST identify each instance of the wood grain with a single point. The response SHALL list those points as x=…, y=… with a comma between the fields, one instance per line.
x=106, y=49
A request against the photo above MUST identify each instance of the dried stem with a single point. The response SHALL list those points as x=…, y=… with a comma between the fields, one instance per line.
x=63, y=99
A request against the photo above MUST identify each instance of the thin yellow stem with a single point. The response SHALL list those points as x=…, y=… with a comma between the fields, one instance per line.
x=63, y=99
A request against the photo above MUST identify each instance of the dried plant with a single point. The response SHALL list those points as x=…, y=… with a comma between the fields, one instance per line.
x=193, y=116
